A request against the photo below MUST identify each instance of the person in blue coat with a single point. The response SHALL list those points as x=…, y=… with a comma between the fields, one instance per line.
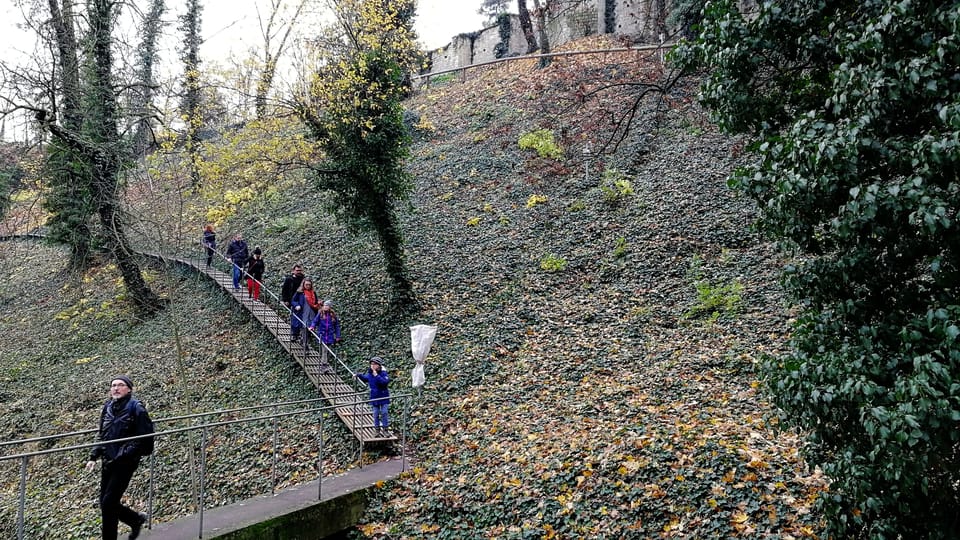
x=327, y=327
x=377, y=379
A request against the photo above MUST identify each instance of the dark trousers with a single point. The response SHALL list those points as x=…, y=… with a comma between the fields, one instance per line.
x=114, y=479
x=209, y=256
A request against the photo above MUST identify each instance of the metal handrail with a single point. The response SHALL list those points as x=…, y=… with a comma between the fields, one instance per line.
x=25, y=457
x=289, y=312
x=641, y=48
x=168, y=419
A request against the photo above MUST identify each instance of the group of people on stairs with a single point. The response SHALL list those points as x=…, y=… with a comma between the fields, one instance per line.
x=308, y=313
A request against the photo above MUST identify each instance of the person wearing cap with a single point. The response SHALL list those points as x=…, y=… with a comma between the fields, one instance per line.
x=122, y=416
x=255, y=269
x=327, y=327
x=377, y=379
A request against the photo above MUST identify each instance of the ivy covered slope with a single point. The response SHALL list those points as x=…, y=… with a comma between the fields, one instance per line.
x=66, y=335
x=599, y=322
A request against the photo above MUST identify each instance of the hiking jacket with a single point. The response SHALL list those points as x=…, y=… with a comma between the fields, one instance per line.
x=379, y=394
x=327, y=326
x=237, y=252
x=125, y=417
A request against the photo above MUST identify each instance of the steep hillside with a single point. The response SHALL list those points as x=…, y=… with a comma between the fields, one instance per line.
x=593, y=374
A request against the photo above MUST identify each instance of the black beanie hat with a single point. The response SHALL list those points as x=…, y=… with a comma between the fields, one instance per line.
x=126, y=380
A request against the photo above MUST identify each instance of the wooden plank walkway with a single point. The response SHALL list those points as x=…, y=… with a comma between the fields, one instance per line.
x=348, y=402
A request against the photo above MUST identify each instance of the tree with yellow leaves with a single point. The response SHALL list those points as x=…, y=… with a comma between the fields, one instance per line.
x=352, y=107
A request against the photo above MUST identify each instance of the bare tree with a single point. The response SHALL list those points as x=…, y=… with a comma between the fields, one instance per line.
x=274, y=26
x=526, y=25
x=96, y=140
x=541, y=12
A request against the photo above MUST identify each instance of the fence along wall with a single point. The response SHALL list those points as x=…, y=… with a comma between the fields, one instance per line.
x=636, y=21
x=567, y=20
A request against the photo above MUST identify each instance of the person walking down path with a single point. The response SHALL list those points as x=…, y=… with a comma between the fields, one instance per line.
x=290, y=285
x=122, y=416
x=237, y=253
x=377, y=379
x=327, y=327
x=303, y=308
x=255, y=269
x=209, y=242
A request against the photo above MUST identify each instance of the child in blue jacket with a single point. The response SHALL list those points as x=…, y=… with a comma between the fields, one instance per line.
x=377, y=379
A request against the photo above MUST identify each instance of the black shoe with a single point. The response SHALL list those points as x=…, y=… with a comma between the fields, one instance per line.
x=135, y=528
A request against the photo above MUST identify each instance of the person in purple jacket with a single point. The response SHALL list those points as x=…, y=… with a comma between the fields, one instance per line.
x=377, y=379
x=327, y=327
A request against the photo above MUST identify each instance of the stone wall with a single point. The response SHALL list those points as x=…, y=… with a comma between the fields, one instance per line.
x=636, y=21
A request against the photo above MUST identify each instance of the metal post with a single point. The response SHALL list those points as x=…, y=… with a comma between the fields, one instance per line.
x=356, y=413
x=586, y=164
x=23, y=497
x=276, y=442
x=203, y=475
x=320, y=463
x=153, y=468
x=403, y=434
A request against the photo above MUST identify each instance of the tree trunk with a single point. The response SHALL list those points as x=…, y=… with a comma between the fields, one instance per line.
x=107, y=150
x=143, y=138
x=541, y=12
x=390, y=239
x=192, y=100
x=69, y=198
x=527, y=26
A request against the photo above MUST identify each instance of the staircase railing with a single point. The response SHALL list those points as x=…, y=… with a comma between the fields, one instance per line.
x=205, y=429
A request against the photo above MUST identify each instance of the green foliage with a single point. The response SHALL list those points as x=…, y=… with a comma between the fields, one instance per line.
x=542, y=141
x=354, y=111
x=552, y=263
x=854, y=110
x=535, y=200
x=615, y=186
x=714, y=299
x=621, y=248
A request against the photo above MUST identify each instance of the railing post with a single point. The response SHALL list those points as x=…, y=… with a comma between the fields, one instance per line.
x=153, y=468
x=23, y=498
x=276, y=442
x=403, y=433
x=320, y=462
x=203, y=477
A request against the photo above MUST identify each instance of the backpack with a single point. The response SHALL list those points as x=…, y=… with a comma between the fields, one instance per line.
x=146, y=443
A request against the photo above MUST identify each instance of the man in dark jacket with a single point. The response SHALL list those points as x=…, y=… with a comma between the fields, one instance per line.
x=290, y=284
x=121, y=417
x=237, y=253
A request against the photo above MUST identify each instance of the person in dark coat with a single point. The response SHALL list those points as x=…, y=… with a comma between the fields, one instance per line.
x=237, y=253
x=122, y=416
x=290, y=285
x=209, y=242
x=377, y=379
x=255, y=268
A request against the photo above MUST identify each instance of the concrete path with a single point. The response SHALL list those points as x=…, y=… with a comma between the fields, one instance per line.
x=233, y=517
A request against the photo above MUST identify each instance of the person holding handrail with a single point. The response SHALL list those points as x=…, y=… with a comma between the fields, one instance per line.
x=327, y=327
x=377, y=379
x=290, y=285
x=237, y=254
x=122, y=416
